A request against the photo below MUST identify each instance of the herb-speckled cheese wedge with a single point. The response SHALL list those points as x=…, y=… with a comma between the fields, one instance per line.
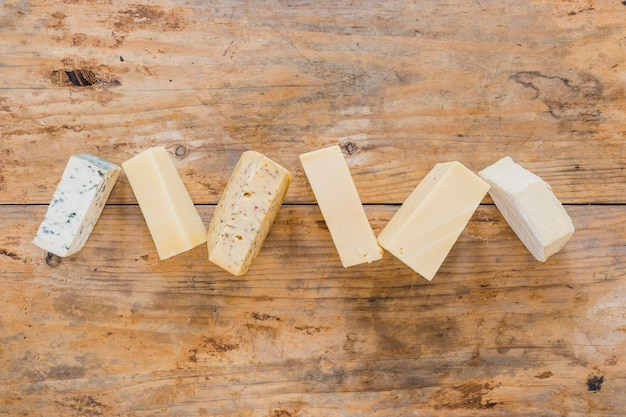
x=76, y=204
x=246, y=211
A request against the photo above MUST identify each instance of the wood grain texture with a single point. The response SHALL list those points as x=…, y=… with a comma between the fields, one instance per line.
x=113, y=329
x=401, y=86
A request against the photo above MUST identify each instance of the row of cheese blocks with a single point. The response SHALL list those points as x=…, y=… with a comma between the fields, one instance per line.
x=420, y=234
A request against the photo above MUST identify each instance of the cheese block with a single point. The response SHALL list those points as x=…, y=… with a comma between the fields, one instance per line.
x=430, y=220
x=76, y=204
x=338, y=200
x=172, y=218
x=246, y=211
x=530, y=207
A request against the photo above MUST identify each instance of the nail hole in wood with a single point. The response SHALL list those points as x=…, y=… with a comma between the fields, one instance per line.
x=53, y=260
x=180, y=151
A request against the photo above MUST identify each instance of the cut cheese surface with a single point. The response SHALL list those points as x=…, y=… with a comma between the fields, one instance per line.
x=246, y=211
x=76, y=204
x=430, y=220
x=338, y=200
x=170, y=214
x=530, y=207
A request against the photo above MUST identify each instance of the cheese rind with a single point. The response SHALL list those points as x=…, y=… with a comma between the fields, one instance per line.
x=431, y=219
x=338, y=200
x=76, y=205
x=530, y=207
x=172, y=218
x=246, y=211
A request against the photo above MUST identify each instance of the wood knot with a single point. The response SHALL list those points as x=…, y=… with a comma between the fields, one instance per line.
x=350, y=148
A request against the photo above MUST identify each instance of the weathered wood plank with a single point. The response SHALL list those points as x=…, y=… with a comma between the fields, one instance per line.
x=117, y=332
x=403, y=85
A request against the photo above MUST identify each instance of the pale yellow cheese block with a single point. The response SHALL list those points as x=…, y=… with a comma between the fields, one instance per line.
x=430, y=220
x=529, y=206
x=246, y=211
x=338, y=200
x=170, y=214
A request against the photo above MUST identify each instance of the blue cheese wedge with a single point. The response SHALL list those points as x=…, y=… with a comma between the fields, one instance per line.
x=246, y=212
x=76, y=204
x=529, y=206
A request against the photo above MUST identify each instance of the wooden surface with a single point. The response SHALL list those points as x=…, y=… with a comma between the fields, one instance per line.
x=113, y=331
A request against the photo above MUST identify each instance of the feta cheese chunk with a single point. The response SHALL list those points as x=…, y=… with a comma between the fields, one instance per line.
x=76, y=204
x=172, y=218
x=530, y=207
x=246, y=211
x=339, y=202
x=431, y=219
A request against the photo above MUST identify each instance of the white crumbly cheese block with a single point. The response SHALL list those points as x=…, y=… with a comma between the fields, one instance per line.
x=338, y=200
x=246, y=211
x=431, y=219
x=530, y=207
x=76, y=204
x=172, y=218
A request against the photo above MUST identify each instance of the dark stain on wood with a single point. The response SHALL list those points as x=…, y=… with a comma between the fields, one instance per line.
x=85, y=405
x=581, y=10
x=281, y=412
x=216, y=344
x=141, y=16
x=567, y=99
x=57, y=373
x=312, y=330
x=470, y=395
x=594, y=383
x=264, y=316
x=9, y=254
x=544, y=375
x=324, y=378
x=80, y=309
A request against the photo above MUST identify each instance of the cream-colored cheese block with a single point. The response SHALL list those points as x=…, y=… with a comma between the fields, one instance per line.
x=170, y=214
x=246, y=211
x=76, y=204
x=430, y=220
x=530, y=207
x=339, y=202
